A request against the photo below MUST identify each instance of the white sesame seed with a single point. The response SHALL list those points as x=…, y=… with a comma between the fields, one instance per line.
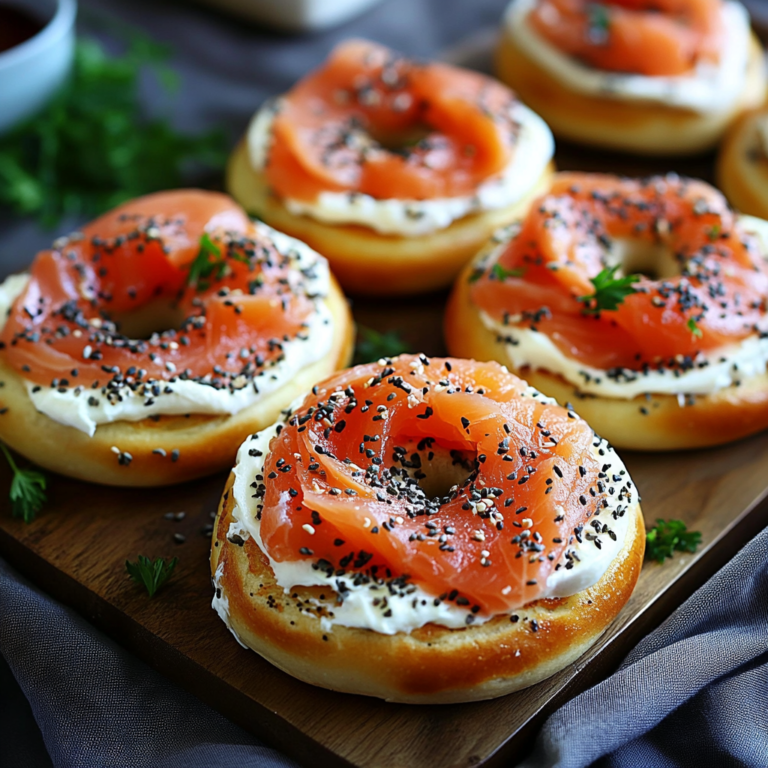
x=309, y=529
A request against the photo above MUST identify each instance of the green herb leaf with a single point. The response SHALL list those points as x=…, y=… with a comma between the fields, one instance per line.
x=372, y=345
x=667, y=536
x=92, y=147
x=152, y=574
x=475, y=275
x=500, y=273
x=599, y=26
x=610, y=292
x=208, y=262
x=714, y=232
x=27, y=490
x=694, y=328
x=211, y=263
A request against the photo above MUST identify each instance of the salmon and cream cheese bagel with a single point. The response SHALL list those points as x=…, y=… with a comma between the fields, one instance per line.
x=395, y=170
x=425, y=530
x=662, y=78
x=142, y=349
x=742, y=165
x=641, y=301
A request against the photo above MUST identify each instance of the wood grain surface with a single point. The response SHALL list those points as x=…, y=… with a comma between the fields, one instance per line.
x=77, y=548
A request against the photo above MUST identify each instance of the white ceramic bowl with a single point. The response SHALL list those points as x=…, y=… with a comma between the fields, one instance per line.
x=30, y=73
x=295, y=15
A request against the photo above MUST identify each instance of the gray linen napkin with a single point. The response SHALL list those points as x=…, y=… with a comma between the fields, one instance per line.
x=96, y=705
x=693, y=693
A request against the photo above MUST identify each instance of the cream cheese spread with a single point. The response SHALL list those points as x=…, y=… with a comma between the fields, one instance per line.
x=411, y=218
x=710, y=88
x=582, y=565
x=85, y=408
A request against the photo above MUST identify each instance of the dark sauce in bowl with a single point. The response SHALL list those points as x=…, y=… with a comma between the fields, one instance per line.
x=17, y=25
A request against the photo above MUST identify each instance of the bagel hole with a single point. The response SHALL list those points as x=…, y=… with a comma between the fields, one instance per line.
x=401, y=142
x=436, y=468
x=156, y=316
x=655, y=261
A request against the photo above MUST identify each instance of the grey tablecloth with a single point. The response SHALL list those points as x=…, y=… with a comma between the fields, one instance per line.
x=694, y=693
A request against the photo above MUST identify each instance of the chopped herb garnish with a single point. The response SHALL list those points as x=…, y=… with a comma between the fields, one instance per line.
x=372, y=345
x=152, y=574
x=93, y=147
x=694, y=328
x=208, y=261
x=610, y=292
x=714, y=232
x=599, y=27
x=667, y=536
x=475, y=275
x=27, y=490
x=500, y=273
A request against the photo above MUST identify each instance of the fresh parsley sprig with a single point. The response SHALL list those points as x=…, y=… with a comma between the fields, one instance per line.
x=27, y=490
x=151, y=573
x=610, y=291
x=372, y=345
x=93, y=147
x=668, y=536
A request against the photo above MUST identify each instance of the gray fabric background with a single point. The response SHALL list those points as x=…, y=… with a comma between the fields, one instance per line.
x=694, y=693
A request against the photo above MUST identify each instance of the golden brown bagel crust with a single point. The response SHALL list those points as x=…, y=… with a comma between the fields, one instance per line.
x=642, y=127
x=431, y=665
x=364, y=261
x=205, y=444
x=742, y=166
x=657, y=423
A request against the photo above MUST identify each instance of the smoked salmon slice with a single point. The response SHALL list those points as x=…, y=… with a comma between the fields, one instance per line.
x=373, y=122
x=666, y=38
x=349, y=481
x=136, y=262
x=713, y=292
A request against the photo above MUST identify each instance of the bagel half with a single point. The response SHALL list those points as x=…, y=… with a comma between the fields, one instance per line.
x=162, y=450
x=430, y=665
x=644, y=127
x=654, y=422
x=742, y=166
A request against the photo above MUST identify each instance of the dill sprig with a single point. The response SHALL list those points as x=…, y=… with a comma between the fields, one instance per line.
x=92, y=147
x=501, y=273
x=372, y=345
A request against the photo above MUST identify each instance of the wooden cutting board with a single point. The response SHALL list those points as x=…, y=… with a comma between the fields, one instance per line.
x=76, y=551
